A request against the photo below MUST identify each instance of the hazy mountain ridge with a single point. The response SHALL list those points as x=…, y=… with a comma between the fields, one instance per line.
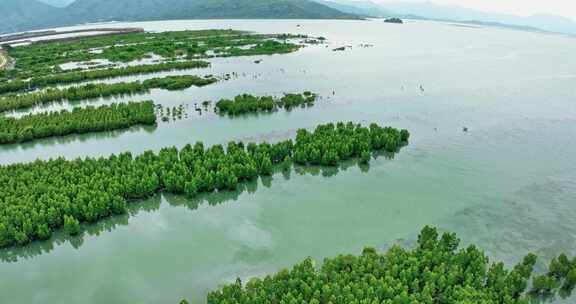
x=432, y=11
x=32, y=14
x=361, y=8
x=108, y=10
x=57, y=3
x=23, y=14
x=20, y=15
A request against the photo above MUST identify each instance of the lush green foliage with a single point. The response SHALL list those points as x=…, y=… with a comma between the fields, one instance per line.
x=79, y=76
x=71, y=225
x=89, y=91
x=80, y=120
x=43, y=59
x=436, y=271
x=35, y=198
x=177, y=82
x=23, y=15
x=561, y=274
x=246, y=103
x=289, y=101
x=344, y=142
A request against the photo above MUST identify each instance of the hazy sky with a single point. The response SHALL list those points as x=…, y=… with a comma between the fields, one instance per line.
x=517, y=7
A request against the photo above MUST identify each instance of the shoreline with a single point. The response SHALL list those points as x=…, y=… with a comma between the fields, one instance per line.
x=25, y=37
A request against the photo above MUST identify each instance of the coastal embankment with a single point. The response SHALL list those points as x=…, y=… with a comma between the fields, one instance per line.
x=37, y=36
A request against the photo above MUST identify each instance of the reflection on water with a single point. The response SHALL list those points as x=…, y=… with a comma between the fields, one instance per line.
x=57, y=106
x=59, y=238
x=62, y=140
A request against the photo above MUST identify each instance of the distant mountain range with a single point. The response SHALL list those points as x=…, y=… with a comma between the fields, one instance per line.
x=360, y=8
x=433, y=11
x=17, y=15
x=21, y=15
x=108, y=10
x=57, y=3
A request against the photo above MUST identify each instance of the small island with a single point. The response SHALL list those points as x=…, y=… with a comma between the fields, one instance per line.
x=246, y=103
x=394, y=20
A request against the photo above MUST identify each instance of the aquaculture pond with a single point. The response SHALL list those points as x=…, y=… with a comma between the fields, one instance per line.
x=492, y=118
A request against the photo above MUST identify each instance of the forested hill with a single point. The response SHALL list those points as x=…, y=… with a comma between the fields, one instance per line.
x=21, y=15
x=17, y=15
x=104, y=10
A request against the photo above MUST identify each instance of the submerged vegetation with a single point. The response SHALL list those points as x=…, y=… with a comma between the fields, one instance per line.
x=78, y=121
x=166, y=114
x=40, y=197
x=90, y=91
x=435, y=271
x=246, y=103
x=79, y=76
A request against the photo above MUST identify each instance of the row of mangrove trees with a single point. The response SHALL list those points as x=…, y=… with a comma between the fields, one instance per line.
x=40, y=197
x=90, y=91
x=18, y=85
x=77, y=121
x=246, y=103
x=435, y=271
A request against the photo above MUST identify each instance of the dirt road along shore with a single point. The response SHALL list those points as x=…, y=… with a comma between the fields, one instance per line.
x=3, y=59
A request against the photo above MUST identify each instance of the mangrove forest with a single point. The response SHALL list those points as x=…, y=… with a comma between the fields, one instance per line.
x=77, y=121
x=37, y=60
x=435, y=271
x=246, y=103
x=40, y=197
x=91, y=91
x=80, y=76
